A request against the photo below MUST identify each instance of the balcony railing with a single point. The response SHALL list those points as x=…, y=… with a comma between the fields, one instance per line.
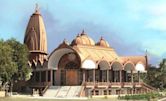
x=113, y=84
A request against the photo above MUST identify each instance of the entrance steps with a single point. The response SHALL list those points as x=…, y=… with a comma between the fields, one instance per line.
x=63, y=91
x=148, y=88
x=74, y=91
x=52, y=91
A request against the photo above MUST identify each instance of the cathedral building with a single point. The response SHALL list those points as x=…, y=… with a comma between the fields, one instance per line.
x=80, y=68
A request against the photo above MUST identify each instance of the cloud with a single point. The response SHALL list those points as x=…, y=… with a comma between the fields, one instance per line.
x=157, y=23
x=157, y=9
x=155, y=47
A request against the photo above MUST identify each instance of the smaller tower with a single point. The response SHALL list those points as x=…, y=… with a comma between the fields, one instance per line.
x=35, y=37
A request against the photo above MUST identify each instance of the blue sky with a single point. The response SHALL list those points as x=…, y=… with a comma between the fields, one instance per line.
x=130, y=26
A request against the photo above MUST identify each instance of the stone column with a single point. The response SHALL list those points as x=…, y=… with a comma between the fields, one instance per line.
x=120, y=75
x=94, y=75
x=107, y=91
x=132, y=76
x=132, y=82
x=51, y=78
x=83, y=76
x=108, y=75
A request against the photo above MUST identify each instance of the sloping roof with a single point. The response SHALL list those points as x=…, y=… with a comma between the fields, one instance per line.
x=96, y=53
x=135, y=59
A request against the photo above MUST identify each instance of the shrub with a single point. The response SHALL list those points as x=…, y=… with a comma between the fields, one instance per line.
x=141, y=96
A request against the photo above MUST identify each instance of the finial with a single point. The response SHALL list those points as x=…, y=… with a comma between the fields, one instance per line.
x=37, y=8
x=83, y=32
x=101, y=38
x=78, y=35
x=65, y=41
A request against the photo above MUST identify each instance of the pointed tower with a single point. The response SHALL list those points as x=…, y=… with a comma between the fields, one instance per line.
x=35, y=37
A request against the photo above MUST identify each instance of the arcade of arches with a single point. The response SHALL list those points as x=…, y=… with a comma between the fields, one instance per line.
x=70, y=72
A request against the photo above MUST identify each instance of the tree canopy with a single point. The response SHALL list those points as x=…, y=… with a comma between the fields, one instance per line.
x=13, y=61
x=7, y=66
x=156, y=77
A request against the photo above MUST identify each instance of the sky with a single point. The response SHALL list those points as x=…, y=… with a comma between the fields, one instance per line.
x=130, y=26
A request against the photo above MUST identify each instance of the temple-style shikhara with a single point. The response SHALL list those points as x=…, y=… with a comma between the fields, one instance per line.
x=82, y=67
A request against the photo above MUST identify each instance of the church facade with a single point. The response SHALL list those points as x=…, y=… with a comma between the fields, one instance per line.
x=93, y=67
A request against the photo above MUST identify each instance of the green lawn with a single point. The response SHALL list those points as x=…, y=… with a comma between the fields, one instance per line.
x=35, y=99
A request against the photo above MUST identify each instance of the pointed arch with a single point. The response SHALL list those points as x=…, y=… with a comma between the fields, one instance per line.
x=128, y=66
x=116, y=65
x=103, y=64
x=56, y=55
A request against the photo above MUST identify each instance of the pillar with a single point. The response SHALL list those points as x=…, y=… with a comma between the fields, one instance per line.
x=132, y=82
x=108, y=75
x=107, y=91
x=94, y=75
x=114, y=76
x=132, y=76
x=51, y=76
x=83, y=76
x=120, y=76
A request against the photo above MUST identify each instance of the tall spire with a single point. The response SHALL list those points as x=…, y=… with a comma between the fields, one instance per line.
x=35, y=37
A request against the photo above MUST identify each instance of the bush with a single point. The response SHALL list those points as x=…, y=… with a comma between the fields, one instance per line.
x=141, y=96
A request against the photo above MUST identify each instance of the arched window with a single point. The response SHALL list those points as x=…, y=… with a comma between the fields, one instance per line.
x=71, y=65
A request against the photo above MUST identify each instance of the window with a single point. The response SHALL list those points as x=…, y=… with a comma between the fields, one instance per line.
x=71, y=65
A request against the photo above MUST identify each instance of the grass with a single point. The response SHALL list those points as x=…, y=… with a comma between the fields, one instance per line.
x=35, y=99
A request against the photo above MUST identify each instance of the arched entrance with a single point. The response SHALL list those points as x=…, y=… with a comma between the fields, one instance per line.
x=67, y=65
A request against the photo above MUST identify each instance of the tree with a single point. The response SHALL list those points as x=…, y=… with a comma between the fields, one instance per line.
x=20, y=57
x=13, y=62
x=7, y=66
x=162, y=73
x=156, y=77
x=152, y=75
